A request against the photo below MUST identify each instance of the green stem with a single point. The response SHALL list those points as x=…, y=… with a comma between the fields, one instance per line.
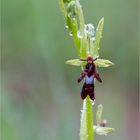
x=90, y=130
x=86, y=129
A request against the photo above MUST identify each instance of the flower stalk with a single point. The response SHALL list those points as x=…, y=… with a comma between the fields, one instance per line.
x=87, y=42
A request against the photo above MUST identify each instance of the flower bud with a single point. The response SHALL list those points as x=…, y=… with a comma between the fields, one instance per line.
x=71, y=9
x=103, y=123
x=89, y=30
x=103, y=130
x=66, y=1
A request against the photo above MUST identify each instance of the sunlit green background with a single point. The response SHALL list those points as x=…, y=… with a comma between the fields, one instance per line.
x=40, y=94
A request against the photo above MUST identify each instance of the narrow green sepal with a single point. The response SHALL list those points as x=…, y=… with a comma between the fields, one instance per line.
x=75, y=62
x=103, y=63
x=103, y=130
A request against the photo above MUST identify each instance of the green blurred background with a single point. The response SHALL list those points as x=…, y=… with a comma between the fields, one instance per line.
x=40, y=97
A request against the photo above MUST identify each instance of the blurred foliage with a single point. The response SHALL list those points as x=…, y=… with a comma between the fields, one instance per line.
x=40, y=97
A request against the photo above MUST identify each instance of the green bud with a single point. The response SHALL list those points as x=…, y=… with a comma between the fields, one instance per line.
x=71, y=9
x=66, y=1
x=89, y=30
x=103, y=130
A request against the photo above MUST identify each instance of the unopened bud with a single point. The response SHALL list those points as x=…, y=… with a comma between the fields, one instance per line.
x=89, y=30
x=66, y=1
x=103, y=130
x=103, y=123
x=71, y=9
